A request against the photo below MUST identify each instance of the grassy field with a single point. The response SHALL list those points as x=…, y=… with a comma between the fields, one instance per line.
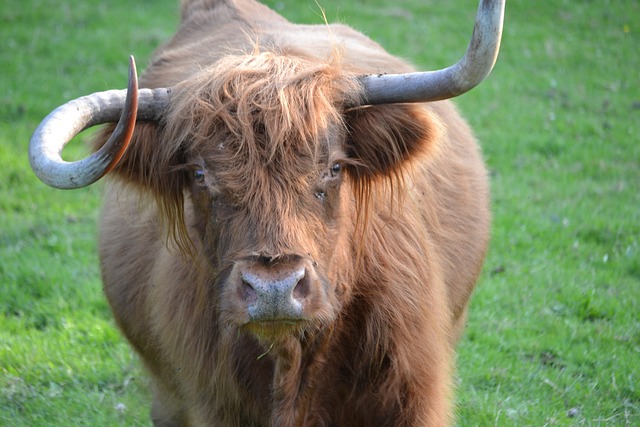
x=554, y=328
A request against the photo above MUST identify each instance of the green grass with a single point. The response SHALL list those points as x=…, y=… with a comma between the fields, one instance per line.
x=554, y=326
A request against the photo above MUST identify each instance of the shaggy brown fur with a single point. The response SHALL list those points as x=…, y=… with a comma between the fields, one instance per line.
x=258, y=158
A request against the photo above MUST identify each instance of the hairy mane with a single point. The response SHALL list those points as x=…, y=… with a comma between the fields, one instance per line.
x=266, y=101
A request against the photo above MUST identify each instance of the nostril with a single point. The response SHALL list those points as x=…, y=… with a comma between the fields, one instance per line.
x=248, y=293
x=301, y=290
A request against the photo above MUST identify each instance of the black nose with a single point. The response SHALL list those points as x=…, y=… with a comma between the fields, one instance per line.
x=276, y=292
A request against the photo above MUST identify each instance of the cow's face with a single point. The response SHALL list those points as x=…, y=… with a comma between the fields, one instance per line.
x=270, y=160
x=275, y=228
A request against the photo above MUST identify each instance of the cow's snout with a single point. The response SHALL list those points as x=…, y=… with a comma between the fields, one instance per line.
x=276, y=290
x=280, y=295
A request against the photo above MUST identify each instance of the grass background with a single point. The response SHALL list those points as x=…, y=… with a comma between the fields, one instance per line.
x=554, y=328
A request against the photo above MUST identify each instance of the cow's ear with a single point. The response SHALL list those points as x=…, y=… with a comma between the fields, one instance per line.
x=381, y=138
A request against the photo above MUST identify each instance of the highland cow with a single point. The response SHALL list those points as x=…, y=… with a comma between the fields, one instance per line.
x=294, y=219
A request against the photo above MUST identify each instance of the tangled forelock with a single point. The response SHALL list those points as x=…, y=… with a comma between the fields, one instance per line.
x=268, y=105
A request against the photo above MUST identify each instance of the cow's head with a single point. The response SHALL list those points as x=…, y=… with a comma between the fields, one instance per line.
x=273, y=157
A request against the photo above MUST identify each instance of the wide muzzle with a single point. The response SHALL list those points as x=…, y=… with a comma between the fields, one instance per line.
x=286, y=288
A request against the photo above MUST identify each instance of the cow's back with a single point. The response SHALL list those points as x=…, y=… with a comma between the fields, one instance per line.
x=210, y=30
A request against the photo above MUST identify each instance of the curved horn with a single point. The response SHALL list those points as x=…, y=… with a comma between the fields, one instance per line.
x=455, y=80
x=66, y=121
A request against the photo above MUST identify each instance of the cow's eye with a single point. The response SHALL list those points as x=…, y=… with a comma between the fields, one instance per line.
x=198, y=175
x=335, y=169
